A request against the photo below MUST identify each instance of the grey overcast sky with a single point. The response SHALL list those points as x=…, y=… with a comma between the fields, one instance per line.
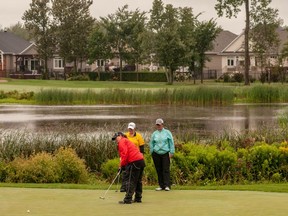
x=11, y=11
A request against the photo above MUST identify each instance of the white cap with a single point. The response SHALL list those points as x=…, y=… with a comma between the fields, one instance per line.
x=131, y=125
x=159, y=121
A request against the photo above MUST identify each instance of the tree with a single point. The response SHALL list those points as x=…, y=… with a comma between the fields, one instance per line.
x=119, y=35
x=232, y=8
x=264, y=38
x=20, y=30
x=205, y=33
x=169, y=48
x=99, y=47
x=37, y=21
x=73, y=24
x=186, y=31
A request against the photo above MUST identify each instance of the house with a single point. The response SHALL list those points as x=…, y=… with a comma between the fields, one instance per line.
x=214, y=67
x=17, y=55
x=233, y=60
x=19, y=59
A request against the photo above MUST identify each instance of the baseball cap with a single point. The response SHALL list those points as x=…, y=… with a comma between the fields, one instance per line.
x=159, y=121
x=116, y=135
x=131, y=125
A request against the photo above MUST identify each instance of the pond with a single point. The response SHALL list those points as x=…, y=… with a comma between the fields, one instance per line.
x=202, y=121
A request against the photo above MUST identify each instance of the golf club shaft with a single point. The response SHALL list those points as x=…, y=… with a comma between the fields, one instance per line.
x=118, y=183
x=111, y=184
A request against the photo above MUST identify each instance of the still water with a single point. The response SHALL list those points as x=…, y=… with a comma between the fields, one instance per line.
x=201, y=120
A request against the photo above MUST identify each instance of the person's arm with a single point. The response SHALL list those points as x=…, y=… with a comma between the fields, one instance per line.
x=151, y=143
x=141, y=143
x=171, y=144
x=142, y=149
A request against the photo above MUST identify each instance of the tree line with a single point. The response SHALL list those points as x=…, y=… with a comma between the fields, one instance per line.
x=170, y=36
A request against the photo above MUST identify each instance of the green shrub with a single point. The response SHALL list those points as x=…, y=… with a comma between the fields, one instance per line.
x=264, y=160
x=79, y=78
x=63, y=167
x=3, y=171
x=109, y=168
x=150, y=174
x=238, y=77
x=72, y=169
x=39, y=168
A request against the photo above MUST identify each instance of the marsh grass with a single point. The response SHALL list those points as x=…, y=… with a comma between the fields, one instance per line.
x=185, y=96
x=94, y=148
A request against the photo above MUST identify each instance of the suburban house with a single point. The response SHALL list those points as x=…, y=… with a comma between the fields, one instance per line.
x=232, y=56
x=17, y=55
x=215, y=67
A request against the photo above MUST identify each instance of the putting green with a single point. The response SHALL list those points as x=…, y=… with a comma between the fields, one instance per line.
x=71, y=202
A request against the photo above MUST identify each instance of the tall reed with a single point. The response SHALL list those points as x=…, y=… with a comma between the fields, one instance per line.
x=189, y=96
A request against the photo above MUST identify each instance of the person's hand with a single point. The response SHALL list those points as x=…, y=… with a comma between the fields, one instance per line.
x=120, y=170
x=170, y=155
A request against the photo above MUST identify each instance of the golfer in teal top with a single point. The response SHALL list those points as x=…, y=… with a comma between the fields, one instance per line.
x=162, y=149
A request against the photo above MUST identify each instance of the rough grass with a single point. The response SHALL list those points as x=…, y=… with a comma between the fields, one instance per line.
x=64, y=202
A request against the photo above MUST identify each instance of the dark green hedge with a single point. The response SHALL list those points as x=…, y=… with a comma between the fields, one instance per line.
x=128, y=76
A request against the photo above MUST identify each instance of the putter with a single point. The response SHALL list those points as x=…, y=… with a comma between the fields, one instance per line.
x=117, y=186
x=103, y=197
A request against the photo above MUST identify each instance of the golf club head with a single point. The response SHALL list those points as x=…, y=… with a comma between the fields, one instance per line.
x=101, y=197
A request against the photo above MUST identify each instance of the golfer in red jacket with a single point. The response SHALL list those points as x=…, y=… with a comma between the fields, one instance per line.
x=132, y=159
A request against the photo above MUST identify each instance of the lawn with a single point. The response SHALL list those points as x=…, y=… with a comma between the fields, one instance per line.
x=75, y=202
x=36, y=85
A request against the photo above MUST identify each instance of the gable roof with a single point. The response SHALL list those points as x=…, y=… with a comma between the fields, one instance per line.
x=223, y=39
x=12, y=44
x=237, y=45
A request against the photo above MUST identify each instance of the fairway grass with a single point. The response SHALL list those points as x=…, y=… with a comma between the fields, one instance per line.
x=72, y=202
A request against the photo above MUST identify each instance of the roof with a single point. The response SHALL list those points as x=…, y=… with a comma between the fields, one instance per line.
x=236, y=46
x=223, y=39
x=283, y=37
x=12, y=44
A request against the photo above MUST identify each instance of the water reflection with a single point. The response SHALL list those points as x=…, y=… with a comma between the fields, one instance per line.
x=201, y=120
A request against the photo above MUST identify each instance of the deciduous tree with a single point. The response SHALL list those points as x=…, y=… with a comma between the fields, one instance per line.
x=38, y=22
x=73, y=24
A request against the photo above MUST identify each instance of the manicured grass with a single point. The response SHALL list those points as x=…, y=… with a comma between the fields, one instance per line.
x=36, y=85
x=64, y=202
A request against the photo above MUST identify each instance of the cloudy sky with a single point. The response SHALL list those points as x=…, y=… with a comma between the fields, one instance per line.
x=11, y=11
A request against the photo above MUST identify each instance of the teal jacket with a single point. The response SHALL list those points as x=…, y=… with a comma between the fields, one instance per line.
x=162, y=142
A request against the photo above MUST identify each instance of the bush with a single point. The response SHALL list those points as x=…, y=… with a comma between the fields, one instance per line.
x=64, y=167
x=79, y=78
x=3, y=171
x=264, y=160
x=39, y=168
x=71, y=168
x=110, y=168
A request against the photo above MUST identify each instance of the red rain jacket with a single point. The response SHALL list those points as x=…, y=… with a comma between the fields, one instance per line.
x=128, y=152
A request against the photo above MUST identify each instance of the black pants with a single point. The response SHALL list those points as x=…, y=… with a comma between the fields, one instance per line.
x=124, y=180
x=162, y=166
x=134, y=173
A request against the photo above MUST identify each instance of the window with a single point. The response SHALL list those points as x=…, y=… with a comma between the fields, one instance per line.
x=100, y=62
x=230, y=62
x=58, y=63
x=31, y=64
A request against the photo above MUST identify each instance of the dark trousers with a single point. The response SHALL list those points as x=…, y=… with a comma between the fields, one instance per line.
x=162, y=166
x=134, y=173
x=124, y=180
